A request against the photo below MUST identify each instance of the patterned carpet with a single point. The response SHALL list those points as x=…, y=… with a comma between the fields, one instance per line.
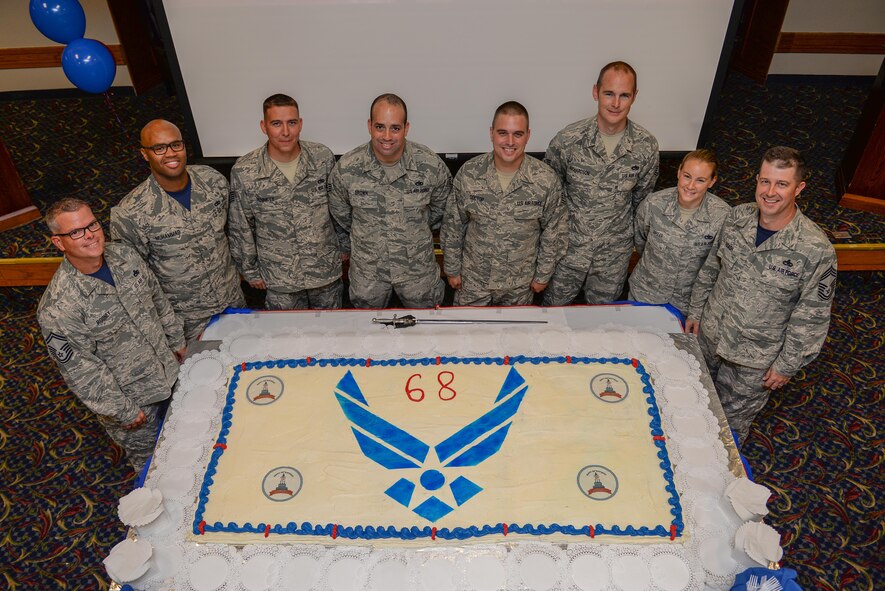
x=817, y=116
x=60, y=475
x=818, y=445
x=91, y=153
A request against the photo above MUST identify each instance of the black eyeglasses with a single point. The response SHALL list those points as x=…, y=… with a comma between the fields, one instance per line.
x=160, y=149
x=77, y=233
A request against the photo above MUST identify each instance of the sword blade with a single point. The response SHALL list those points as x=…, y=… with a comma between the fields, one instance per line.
x=479, y=321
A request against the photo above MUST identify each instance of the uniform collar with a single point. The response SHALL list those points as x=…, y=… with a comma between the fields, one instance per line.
x=786, y=237
x=372, y=162
x=593, y=138
x=86, y=283
x=374, y=165
x=521, y=177
x=267, y=168
x=671, y=207
x=159, y=191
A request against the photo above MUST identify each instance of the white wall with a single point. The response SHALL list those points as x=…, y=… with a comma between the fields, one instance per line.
x=453, y=61
x=17, y=30
x=831, y=16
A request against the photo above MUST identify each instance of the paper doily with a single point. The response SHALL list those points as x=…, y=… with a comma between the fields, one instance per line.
x=245, y=345
x=192, y=428
x=206, y=368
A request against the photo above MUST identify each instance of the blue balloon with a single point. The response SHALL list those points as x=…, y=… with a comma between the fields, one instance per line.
x=89, y=65
x=62, y=21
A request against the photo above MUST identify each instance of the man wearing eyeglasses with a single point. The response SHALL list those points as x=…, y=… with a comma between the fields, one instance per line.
x=176, y=221
x=110, y=329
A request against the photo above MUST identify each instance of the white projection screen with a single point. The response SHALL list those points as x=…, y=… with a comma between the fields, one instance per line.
x=452, y=61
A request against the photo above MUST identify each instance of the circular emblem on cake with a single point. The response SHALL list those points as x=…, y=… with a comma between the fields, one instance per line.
x=609, y=387
x=597, y=482
x=265, y=390
x=282, y=484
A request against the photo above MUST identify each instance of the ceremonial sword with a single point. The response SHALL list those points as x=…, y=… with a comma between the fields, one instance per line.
x=409, y=320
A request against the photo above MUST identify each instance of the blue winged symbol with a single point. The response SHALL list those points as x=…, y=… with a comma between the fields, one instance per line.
x=395, y=449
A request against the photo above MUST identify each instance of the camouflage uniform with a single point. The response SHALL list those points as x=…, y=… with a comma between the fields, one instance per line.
x=187, y=250
x=282, y=232
x=114, y=344
x=390, y=224
x=671, y=250
x=500, y=241
x=762, y=307
x=601, y=194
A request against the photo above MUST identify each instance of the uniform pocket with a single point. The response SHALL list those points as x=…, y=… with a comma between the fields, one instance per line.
x=416, y=198
x=626, y=181
x=364, y=201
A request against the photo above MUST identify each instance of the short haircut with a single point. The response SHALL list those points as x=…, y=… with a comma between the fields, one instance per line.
x=704, y=155
x=511, y=108
x=64, y=205
x=618, y=67
x=279, y=100
x=784, y=157
x=391, y=99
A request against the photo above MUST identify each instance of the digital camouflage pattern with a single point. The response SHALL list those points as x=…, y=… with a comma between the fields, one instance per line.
x=188, y=251
x=390, y=221
x=282, y=232
x=767, y=306
x=327, y=297
x=601, y=193
x=114, y=344
x=740, y=389
x=500, y=240
x=671, y=250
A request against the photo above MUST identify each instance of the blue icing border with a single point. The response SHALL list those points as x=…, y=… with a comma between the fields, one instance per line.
x=361, y=532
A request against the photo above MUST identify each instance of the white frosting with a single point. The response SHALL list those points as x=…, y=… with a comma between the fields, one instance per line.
x=562, y=433
x=312, y=566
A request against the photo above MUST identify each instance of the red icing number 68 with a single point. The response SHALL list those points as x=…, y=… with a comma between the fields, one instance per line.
x=445, y=392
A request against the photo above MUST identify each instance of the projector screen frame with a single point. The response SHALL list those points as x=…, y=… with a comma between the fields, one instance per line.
x=453, y=160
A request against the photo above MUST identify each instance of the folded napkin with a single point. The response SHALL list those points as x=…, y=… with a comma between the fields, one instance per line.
x=128, y=560
x=761, y=542
x=750, y=500
x=140, y=507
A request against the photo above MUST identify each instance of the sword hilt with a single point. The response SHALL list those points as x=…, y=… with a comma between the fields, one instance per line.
x=397, y=321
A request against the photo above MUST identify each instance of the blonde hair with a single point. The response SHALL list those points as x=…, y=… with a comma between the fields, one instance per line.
x=704, y=155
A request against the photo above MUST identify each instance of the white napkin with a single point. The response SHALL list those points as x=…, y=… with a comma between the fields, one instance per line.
x=761, y=542
x=750, y=500
x=140, y=507
x=128, y=560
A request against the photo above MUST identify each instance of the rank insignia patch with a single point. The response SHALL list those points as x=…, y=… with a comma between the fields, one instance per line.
x=59, y=347
x=826, y=284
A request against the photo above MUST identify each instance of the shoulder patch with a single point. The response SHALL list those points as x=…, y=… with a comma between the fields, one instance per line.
x=59, y=347
x=826, y=284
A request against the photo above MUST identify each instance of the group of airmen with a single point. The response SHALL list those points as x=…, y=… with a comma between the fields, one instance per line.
x=755, y=282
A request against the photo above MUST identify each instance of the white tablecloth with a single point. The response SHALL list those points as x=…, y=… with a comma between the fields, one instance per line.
x=698, y=455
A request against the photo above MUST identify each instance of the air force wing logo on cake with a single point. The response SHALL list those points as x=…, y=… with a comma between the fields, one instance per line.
x=396, y=449
x=363, y=451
